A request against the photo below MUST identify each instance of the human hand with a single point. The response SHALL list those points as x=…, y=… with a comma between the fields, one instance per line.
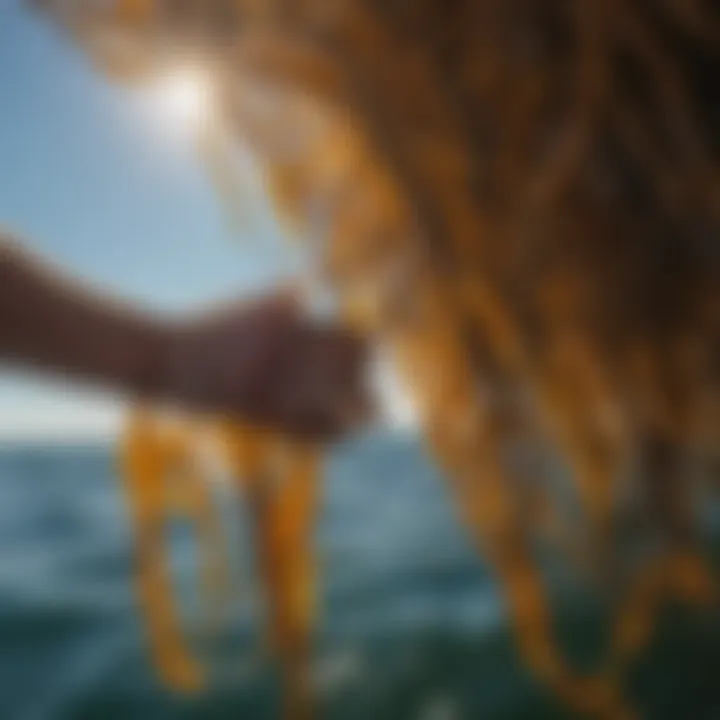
x=268, y=363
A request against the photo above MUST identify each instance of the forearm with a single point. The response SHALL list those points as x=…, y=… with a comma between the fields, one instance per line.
x=262, y=361
x=53, y=324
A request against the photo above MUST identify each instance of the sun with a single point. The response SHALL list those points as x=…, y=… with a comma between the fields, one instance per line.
x=184, y=98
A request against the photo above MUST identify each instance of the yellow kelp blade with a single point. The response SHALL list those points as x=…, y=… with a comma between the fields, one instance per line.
x=190, y=492
x=146, y=464
x=281, y=480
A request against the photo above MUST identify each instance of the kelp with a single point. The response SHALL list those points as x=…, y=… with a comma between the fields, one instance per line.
x=164, y=475
x=519, y=198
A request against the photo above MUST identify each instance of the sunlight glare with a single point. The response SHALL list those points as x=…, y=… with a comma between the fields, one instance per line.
x=184, y=98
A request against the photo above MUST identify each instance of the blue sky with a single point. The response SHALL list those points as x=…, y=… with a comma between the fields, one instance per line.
x=92, y=181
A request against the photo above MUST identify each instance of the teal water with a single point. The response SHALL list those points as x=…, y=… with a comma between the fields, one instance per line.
x=412, y=626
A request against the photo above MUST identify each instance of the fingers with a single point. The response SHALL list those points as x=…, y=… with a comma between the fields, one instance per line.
x=324, y=391
x=269, y=364
x=318, y=386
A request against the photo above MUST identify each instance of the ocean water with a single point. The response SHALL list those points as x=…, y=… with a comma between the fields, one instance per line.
x=412, y=623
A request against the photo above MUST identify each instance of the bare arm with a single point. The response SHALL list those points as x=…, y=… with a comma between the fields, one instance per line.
x=262, y=361
x=47, y=321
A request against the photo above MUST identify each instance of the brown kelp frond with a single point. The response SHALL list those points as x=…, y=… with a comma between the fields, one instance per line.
x=521, y=198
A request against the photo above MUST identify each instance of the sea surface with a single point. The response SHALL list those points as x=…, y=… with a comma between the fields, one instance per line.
x=412, y=623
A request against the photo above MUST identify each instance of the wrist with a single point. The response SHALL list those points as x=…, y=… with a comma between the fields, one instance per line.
x=153, y=373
